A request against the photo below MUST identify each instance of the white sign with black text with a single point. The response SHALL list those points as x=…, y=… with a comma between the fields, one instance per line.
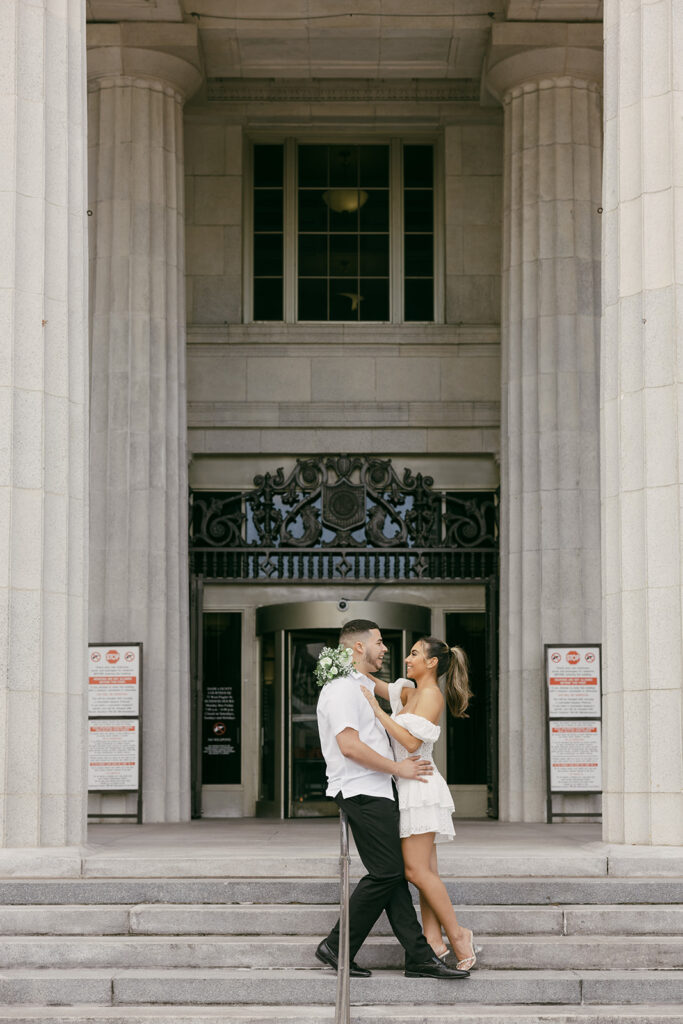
x=575, y=756
x=113, y=753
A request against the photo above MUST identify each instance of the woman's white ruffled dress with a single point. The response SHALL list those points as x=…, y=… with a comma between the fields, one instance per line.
x=424, y=806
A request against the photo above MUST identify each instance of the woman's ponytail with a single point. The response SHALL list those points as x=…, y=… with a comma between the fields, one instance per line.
x=451, y=663
x=458, y=691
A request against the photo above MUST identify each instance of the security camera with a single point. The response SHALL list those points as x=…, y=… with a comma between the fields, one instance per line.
x=342, y=605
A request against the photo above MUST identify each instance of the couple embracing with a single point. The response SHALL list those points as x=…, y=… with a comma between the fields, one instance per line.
x=372, y=758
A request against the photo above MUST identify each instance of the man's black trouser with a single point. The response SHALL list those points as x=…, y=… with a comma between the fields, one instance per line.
x=374, y=824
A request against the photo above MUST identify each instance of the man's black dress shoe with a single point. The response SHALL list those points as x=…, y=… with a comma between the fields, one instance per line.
x=326, y=956
x=434, y=968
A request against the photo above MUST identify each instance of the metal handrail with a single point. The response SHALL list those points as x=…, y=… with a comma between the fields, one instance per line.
x=343, y=1002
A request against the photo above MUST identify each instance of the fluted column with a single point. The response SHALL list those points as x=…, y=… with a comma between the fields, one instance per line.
x=138, y=551
x=642, y=422
x=550, y=505
x=43, y=424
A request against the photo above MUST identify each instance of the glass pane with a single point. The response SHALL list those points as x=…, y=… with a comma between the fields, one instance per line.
x=312, y=166
x=309, y=780
x=419, y=299
x=374, y=214
x=267, y=255
x=374, y=255
x=375, y=302
x=419, y=255
x=312, y=211
x=344, y=255
x=268, y=209
x=347, y=221
x=305, y=690
x=269, y=723
x=343, y=166
x=467, y=737
x=222, y=699
x=344, y=299
x=374, y=166
x=267, y=165
x=418, y=210
x=313, y=299
x=312, y=255
x=268, y=299
x=418, y=166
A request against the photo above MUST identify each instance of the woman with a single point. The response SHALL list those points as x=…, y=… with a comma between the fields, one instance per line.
x=426, y=807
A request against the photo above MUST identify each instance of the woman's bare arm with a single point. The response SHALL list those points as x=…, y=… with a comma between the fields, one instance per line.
x=382, y=689
x=404, y=737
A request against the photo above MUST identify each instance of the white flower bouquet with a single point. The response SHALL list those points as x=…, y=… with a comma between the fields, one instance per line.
x=332, y=664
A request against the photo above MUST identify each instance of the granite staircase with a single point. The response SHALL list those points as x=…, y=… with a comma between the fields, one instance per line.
x=558, y=950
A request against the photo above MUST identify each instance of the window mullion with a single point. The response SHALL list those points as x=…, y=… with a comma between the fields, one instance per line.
x=396, y=232
x=290, y=232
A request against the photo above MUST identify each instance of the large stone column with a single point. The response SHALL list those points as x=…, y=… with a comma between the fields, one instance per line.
x=642, y=421
x=43, y=425
x=550, y=505
x=138, y=550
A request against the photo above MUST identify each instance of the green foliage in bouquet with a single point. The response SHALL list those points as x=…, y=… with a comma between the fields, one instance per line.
x=332, y=664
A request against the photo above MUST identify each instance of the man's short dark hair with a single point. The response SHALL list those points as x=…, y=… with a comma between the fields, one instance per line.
x=355, y=627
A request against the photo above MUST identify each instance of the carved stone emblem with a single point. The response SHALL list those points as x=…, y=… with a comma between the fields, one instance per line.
x=343, y=506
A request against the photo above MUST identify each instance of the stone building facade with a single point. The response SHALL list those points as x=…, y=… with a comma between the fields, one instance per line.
x=165, y=338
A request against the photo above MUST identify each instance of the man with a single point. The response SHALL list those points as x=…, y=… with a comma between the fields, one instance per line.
x=360, y=770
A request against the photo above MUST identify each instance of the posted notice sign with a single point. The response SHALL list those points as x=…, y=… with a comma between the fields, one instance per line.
x=574, y=747
x=573, y=679
x=114, y=680
x=113, y=753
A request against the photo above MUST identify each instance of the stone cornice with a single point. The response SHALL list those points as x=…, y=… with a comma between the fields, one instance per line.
x=167, y=54
x=344, y=90
x=523, y=53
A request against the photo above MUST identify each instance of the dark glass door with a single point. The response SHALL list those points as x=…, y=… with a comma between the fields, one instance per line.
x=307, y=780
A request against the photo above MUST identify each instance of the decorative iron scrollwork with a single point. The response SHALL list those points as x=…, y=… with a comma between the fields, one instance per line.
x=350, y=505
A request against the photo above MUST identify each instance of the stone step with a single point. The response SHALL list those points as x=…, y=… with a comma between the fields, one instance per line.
x=523, y=953
x=227, y=986
x=425, y=1014
x=314, y=891
x=175, y=863
x=278, y=919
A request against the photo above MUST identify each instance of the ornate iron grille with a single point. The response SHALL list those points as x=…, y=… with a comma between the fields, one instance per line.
x=342, y=517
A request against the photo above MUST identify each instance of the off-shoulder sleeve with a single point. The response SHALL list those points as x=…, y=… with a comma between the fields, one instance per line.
x=395, y=693
x=420, y=727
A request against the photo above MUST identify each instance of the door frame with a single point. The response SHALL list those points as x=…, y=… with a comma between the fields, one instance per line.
x=285, y=619
x=216, y=596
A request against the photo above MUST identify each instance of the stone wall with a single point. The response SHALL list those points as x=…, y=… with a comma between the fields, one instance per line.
x=356, y=387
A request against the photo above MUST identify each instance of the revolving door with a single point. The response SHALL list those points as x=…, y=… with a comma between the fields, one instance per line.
x=292, y=769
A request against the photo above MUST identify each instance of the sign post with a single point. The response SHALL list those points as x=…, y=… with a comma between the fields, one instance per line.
x=573, y=683
x=115, y=722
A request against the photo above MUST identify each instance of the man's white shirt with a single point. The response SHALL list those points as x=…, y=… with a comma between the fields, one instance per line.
x=341, y=705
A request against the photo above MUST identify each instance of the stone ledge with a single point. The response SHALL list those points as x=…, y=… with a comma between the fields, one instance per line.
x=41, y=862
x=329, y=335
x=210, y=415
x=652, y=861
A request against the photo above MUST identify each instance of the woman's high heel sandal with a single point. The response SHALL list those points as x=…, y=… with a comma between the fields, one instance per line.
x=468, y=962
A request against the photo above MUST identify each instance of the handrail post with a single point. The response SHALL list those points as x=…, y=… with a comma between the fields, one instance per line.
x=343, y=1004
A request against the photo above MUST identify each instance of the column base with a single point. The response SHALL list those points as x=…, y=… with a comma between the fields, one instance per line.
x=42, y=862
x=624, y=861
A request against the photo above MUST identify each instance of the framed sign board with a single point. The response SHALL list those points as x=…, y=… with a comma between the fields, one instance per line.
x=573, y=698
x=115, y=722
x=113, y=754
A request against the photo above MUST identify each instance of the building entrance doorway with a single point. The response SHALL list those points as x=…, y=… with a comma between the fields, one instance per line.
x=277, y=568
x=292, y=777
